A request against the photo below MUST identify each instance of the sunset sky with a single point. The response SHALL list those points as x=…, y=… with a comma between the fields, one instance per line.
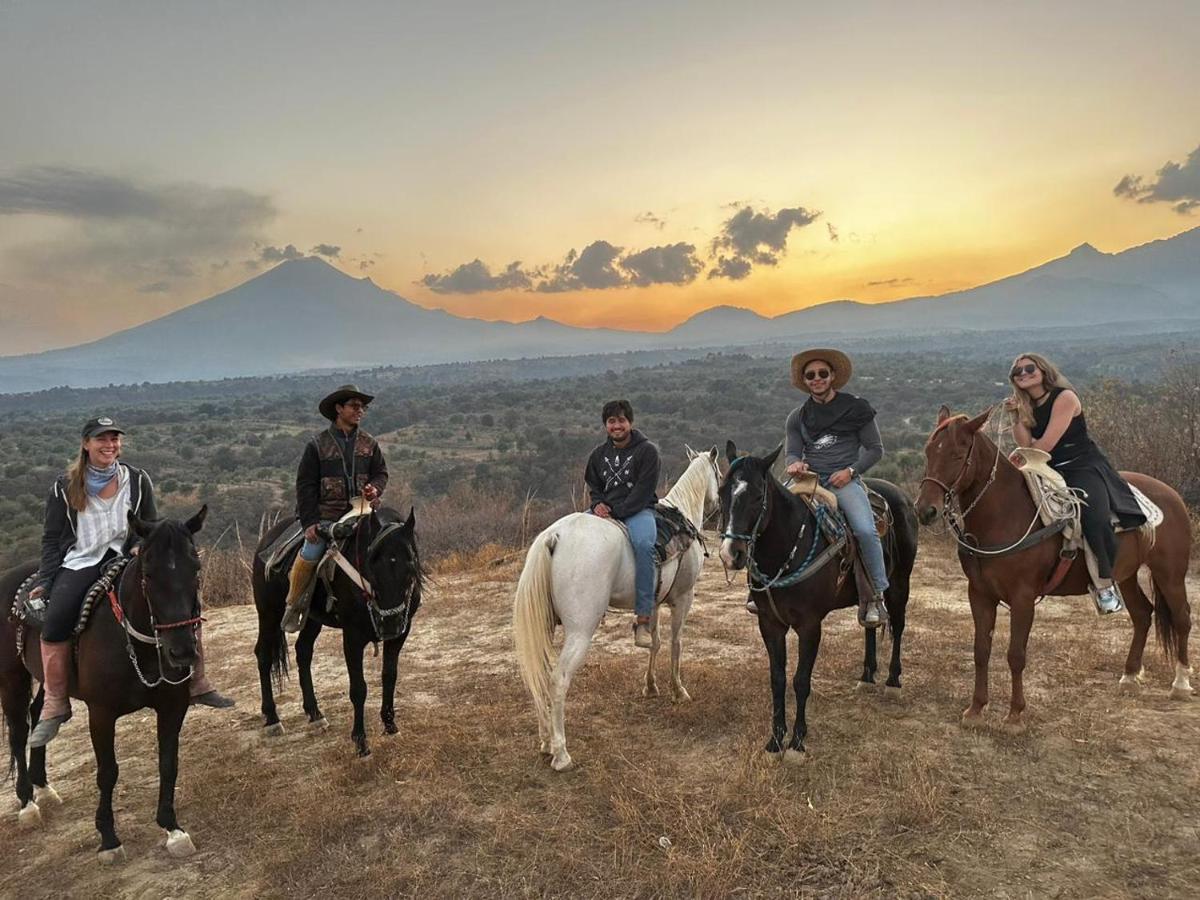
x=624, y=164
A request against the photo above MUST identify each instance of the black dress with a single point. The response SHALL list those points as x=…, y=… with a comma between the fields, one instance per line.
x=1083, y=465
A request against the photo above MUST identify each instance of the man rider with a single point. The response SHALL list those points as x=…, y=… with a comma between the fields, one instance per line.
x=622, y=475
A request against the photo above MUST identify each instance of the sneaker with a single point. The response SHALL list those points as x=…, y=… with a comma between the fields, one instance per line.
x=1108, y=600
x=215, y=699
x=752, y=607
x=46, y=730
x=876, y=613
x=641, y=635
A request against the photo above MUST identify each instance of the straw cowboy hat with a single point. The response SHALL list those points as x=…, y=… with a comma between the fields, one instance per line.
x=838, y=361
x=341, y=395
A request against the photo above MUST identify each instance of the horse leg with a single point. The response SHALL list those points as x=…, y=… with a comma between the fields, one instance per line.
x=679, y=614
x=1140, y=612
x=574, y=651
x=15, y=699
x=774, y=636
x=650, y=689
x=1020, y=623
x=897, y=611
x=810, y=643
x=352, y=649
x=391, y=669
x=866, y=681
x=102, y=725
x=304, y=655
x=1174, y=626
x=43, y=793
x=983, y=611
x=272, y=727
x=170, y=721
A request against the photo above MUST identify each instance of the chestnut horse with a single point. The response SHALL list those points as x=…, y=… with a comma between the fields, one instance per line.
x=963, y=466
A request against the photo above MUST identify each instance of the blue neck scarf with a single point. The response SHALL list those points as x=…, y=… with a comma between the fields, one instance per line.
x=97, y=478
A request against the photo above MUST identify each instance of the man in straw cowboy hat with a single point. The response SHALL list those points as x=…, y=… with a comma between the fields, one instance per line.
x=341, y=465
x=834, y=435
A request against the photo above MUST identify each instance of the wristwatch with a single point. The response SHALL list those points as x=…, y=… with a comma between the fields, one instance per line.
x=850, y=469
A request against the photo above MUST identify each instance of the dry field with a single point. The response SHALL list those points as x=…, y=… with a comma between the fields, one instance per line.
x=1100, y=798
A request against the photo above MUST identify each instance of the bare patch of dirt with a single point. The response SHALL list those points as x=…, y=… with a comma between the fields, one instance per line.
x=1097, y=799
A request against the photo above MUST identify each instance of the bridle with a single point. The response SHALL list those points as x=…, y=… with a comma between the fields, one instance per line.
x=950, y=492
x=133, y=634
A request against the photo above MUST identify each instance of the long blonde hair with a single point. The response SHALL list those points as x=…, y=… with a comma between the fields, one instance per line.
x=1051, y=378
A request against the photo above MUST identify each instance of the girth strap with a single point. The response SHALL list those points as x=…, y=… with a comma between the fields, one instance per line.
x=1025, y=543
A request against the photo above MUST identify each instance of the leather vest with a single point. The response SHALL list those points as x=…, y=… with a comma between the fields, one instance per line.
x=339, y=483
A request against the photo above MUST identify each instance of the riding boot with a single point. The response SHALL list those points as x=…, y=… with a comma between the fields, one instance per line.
x=298, y=581
x=56, y=679
x=203, y=693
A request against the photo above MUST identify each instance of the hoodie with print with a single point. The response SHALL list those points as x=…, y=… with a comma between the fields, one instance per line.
x=625, y=479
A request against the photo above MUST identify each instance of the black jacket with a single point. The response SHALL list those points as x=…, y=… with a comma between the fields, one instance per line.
x=58, y=534
x=329, y=476
x=625, y=480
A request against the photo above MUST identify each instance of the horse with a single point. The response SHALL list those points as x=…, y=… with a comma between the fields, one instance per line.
x=574, y=571
x=767, y=529
x=136, y=652
x=383, y=550
x=1008, y=562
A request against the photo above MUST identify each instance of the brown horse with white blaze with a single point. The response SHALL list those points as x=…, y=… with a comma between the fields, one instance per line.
x=964, y=466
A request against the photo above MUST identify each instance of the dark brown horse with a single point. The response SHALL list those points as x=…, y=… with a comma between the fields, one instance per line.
x=965, y=467
x=142, y=659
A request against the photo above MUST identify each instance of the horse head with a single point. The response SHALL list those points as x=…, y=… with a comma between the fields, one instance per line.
x=706, y=463
x=744, y=497
x=393, y=567
x=169, y=569
x=948, y=461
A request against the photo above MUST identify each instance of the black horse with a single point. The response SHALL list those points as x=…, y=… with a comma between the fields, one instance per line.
x=778, y=532
x=384, y=552
x=136, y=652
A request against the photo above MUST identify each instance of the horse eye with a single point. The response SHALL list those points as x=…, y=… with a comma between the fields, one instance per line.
x=392, y=559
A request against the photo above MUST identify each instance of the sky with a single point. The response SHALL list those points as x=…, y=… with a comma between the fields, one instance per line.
x=619, y=164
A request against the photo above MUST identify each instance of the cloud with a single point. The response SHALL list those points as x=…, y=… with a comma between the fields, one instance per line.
x=1178, y=184
x=649, y=218
x=670, y=264
x=331, y=251
x=750, y=238
x=125, y=229
x=593, y=269
x=158, y=287
x=890, y=282
x=833, y=232
x=276, y=255
x=476, y=278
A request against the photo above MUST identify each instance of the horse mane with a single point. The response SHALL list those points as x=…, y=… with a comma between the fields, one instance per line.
x=946, y=423
x=689, y=489
x=174, y=534
x=388, y=515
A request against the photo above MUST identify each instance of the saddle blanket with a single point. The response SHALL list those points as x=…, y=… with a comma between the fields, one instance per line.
x=675, y=534
x=31, y=611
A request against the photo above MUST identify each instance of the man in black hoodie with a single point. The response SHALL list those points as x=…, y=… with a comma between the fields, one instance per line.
x=622, y=475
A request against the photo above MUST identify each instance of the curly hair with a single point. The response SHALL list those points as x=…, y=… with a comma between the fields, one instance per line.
x=1051, y=378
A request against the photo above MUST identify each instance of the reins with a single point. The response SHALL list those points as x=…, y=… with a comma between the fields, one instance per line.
x=133, y=634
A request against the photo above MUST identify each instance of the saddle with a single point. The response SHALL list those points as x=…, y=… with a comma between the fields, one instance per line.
x=675, y=534
x=1057, y=502
x=808, y=487
x=31, y=611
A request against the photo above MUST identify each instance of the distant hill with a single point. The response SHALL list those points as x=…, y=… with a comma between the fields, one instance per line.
x=306, y=315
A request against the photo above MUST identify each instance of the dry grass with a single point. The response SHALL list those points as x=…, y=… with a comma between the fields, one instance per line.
x=1097, y=800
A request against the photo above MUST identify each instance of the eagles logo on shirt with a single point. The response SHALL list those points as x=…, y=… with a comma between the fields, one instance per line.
x=825, y=441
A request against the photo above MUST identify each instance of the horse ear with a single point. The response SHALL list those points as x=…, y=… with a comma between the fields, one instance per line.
x=943, y=413
x=730, y=451
x=976, y=423
x=770, y=458
x=712, y=453
x=411, y=521
x=140, y=528
x=691, y=454
x=196, y=522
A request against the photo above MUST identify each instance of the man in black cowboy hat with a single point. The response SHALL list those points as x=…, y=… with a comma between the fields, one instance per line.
x=834, y=435
x=339, y=464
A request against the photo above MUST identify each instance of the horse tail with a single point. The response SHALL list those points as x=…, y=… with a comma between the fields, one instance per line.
x=1164, y=624
x=534, y=618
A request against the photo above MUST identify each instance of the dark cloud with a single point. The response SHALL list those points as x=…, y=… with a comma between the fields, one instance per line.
x=364, y=264
x=593, y=269
x=1176, y=183
x=276, y=255
x=649, y=218
x=833, y=232
x=890, y=282
x=670, y=264
x=750, y=238
x=331, y=251
x=476, y=278
x=158, y=287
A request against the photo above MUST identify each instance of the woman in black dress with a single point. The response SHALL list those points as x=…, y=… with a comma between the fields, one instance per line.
x=1047, y=415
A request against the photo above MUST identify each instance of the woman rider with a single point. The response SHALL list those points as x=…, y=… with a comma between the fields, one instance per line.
x=1048, y=416
x=87, y=526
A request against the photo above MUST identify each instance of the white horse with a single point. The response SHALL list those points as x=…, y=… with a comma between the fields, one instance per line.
x=574, y=571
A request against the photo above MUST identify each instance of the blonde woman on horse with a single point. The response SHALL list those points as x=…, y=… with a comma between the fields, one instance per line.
x=1047, y=415
x=87, y=526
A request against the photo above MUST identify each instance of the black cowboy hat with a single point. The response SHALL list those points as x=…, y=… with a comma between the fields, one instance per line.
x=341, y=395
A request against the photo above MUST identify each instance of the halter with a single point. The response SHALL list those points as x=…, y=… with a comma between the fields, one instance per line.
x=133, y=634
x=950, y=491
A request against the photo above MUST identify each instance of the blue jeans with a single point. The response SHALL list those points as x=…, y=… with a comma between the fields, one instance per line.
x=856, y=506
x=642, y=534
x=312, y=551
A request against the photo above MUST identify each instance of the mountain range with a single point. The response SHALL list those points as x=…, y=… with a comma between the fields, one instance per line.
x=306, y=315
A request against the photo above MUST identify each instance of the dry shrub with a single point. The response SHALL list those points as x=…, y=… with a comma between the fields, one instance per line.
x=470, y=527
x=225, y=576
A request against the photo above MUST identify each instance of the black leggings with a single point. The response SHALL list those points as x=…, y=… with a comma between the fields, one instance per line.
x=1097, y=517
x=66, y=599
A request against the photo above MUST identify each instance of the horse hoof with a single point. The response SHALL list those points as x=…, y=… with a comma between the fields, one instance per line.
x=113, y=856
x=321, y=724
x=1180, y=693
x=179, y=844
x=1014, y=726
x=544, y=749
x=363, y=752
x=650, y=690
x=973, y=721
x=275, y=730
x=863, y=687
x=390, y=728
x=30, y=815
x=682, y=696
x=895, y=694
x=562, y=763
x=794, y=757
x=1129, y=686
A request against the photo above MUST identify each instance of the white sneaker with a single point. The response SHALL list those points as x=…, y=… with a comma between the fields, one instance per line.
x=1108, y=600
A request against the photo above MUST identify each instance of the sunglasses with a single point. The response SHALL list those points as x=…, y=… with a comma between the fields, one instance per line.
x=1027, y=369
x=814, y=374
x=354, y=405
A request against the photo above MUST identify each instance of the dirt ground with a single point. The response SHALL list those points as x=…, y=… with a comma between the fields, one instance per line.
x=1099, y=798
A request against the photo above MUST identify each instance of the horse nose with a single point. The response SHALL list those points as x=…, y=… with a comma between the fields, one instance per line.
x=181, y=655
x=927, y=514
